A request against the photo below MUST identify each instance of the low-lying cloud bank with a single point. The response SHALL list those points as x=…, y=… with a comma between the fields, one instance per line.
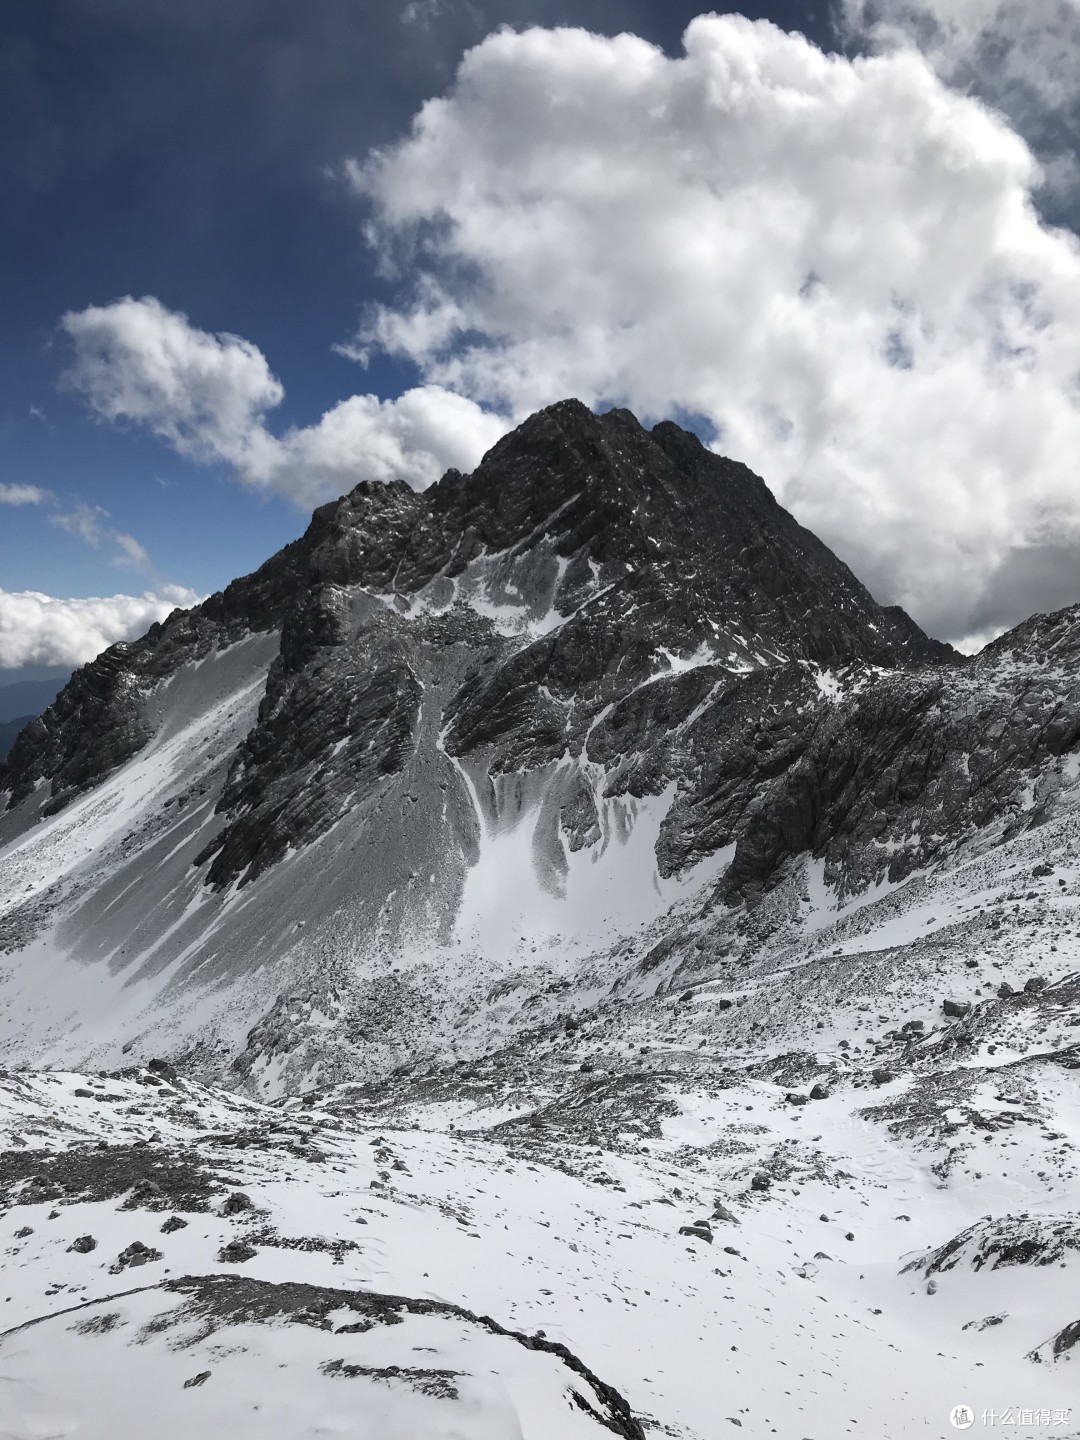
x=40, y=629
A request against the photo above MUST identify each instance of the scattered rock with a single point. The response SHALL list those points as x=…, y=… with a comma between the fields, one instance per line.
x=145, y=1195
x=236, y=1252
x=24, y=1232
x=174, y=1222
x=881, y=1076
x=820, y=1092
x=1035, y=985
x=988, y=1322
x=83, y=1245
x=195, y=1380
x=237, y=1203
x=721, y=1212
x=761, y=1181
x=136, y=1254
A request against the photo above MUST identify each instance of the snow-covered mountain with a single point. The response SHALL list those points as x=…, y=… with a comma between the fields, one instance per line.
x=572, y=874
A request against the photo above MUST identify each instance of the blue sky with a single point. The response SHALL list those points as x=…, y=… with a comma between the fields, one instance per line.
x=199, y=155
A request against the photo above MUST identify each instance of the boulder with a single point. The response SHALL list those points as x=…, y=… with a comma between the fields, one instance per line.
x=956, y=1009
x=701, y=1231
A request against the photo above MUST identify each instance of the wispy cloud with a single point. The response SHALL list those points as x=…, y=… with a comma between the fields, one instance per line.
x=22, y=495
x=88, y=523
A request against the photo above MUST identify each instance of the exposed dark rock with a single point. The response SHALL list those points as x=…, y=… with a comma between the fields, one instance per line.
x=998, y=1242
x=701, y=1232
x=1059, y=1346
x=987, y=1323
x=177, y=1179
x=237, y=1203
x=218, y=1300
x=136, y=1254
x=236, y=1252
x=956, y=1009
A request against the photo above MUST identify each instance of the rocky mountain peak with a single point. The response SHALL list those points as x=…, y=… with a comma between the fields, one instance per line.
x=584, y=557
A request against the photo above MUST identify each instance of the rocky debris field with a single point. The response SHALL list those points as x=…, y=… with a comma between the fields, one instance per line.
x=615, y=1224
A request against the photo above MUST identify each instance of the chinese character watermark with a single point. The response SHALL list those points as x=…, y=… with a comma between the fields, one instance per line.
x=962, y=1417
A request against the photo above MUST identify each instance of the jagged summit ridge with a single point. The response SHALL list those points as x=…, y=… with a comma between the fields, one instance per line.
x=594, y=508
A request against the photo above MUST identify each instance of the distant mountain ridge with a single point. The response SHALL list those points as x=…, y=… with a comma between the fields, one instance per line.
x=28, y=697
x=20, y=701
x=9, y=730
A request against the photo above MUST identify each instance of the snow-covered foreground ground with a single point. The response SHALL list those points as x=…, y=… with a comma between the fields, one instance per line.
x=339, y=1273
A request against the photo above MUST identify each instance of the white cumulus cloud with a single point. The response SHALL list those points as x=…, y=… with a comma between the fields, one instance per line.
x=209, y=395
x=1021, y=56
x=38, y=629
x=205, y=394
x=836, y=263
